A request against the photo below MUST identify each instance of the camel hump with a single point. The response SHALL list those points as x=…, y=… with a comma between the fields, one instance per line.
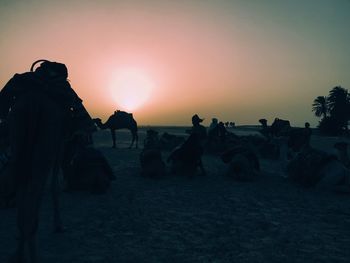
x=280, y=127
x=280, y=122
x=123, y=114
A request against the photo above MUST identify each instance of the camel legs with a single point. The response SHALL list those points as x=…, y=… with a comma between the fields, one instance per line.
x=113, y=138
x=335, y=178
x=132, y=142
x=134, y=139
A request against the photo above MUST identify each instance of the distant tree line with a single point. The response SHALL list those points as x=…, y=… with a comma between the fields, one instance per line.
x=334, y=111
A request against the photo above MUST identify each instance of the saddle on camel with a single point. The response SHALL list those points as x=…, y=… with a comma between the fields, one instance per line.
x=42, y=110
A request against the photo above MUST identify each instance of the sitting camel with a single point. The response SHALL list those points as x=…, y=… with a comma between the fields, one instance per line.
x=152, y=164
x=120, y=120
x=315, y=168
x=243, y=163
x=169, y=142
x=85, y=168
x=187, y=157
x=152, y=140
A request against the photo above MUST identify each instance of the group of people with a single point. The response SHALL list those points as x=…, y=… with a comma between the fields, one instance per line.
x=216, y=133
x=185, y=158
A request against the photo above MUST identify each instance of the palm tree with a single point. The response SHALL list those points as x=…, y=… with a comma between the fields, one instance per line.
x=320, y=106
x=338, y=103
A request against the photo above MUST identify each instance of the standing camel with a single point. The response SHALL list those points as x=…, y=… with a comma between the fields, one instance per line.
x=38, y=106
x=120, y=120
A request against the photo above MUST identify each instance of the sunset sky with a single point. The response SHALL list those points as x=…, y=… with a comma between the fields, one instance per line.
x=237, y=60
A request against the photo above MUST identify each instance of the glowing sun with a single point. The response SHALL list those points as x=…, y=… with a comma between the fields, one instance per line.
x=130, y=88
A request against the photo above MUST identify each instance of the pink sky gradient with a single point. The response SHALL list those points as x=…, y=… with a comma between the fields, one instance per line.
x=235, y=60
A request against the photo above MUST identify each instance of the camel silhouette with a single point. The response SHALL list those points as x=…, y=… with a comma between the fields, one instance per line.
x=279, y=127
x=39, y=119
x=186, y=158
x=243, y=162
x=312, y=167
x=120, y=120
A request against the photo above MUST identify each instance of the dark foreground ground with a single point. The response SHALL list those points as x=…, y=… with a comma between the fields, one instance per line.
x=201, y=219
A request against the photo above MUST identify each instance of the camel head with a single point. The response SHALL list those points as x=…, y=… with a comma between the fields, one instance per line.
x=263, y=122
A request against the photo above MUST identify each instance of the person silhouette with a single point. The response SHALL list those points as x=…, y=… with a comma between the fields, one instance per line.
x=213, y=125
x=307, y=134
x=199, y=129
x=213, y=131
x=222, y=132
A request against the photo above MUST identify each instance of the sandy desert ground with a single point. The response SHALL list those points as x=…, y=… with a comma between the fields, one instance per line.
x=200, y=219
